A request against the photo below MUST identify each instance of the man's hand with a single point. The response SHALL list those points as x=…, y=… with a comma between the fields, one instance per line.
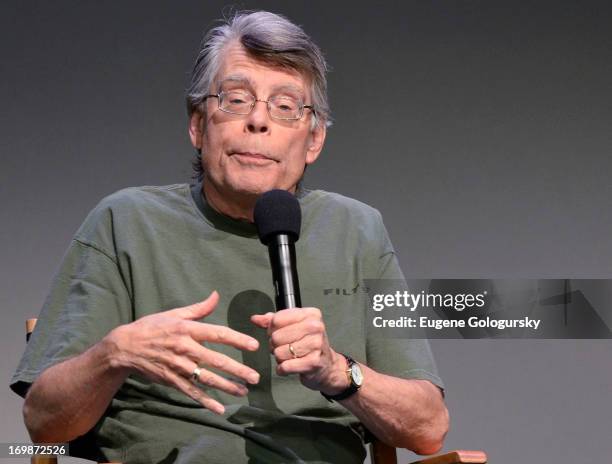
x=299, y=343
x=405, y=413
x=166, y=348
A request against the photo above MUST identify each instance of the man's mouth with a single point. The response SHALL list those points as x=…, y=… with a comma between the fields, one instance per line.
x=252, y=155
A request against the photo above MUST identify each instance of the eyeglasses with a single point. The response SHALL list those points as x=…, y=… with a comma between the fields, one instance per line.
x=281, y=107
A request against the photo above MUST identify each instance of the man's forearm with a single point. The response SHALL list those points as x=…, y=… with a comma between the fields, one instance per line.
x=402, y=413
x=69, y=398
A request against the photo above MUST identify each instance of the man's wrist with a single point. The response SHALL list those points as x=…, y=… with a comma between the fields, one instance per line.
x=110, y=349
x=338, y=378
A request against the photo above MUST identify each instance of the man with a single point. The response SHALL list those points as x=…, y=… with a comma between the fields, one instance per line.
x=123, y=362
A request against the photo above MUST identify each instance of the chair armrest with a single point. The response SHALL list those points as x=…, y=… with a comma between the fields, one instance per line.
x=456, y=457
x=40, y=459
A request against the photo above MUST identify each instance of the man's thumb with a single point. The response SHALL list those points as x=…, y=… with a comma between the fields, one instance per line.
x=262, y=320
x=200, y=309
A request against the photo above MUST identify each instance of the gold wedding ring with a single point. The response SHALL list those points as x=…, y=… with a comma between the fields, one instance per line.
x=293, y=354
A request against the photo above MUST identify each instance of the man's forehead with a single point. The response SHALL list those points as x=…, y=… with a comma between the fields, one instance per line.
x=245, y=80
x=240, y=66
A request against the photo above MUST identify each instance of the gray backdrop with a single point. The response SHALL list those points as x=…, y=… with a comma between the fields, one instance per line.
x=481, y=130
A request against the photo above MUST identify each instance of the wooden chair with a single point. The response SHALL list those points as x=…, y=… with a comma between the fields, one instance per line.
x=380, y=452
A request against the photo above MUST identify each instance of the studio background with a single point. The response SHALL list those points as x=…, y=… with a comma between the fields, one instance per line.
x=480, y=130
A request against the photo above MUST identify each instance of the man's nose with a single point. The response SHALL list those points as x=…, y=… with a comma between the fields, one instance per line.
x=258, y=120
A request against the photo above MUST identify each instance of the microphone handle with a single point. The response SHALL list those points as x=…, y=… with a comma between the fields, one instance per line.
x=281, y=249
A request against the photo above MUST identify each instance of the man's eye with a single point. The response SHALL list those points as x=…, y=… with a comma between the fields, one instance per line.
x=285, y=104
x=237, y=98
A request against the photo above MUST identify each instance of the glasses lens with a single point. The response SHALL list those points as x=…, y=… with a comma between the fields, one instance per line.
x=284, y=107
x=236, y=102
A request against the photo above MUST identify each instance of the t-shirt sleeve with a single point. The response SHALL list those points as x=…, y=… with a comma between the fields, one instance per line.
x=399, y=357
x=87, y=299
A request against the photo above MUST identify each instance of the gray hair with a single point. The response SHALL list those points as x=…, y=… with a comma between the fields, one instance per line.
x=270, y=38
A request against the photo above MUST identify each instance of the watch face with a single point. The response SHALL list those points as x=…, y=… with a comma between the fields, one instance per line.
x=356, y=374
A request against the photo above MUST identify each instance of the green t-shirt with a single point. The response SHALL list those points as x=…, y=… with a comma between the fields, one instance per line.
x=149, y=249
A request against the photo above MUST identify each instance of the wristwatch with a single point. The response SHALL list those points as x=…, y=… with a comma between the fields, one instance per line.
x=355, y=376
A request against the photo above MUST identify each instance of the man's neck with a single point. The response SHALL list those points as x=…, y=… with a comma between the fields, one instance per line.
x=236, y=206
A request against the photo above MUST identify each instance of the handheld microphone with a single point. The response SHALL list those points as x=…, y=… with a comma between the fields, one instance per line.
x=278, y=219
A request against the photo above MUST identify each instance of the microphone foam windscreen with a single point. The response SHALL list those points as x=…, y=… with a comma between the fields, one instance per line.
x=277, y=212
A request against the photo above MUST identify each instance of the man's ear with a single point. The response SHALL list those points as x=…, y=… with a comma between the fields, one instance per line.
x=317, y=139
x=196, y=129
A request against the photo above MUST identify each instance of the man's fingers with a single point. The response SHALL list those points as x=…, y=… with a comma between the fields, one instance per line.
x=187, y=368
x=179, y=378
x=212, y=380
x=297, y=331
x=302, y=365
x=262, y=320
x=301, y=348
x=191, y=390
x=212, y=333
x=197, y=310
x=293, y=315
x=205, y=357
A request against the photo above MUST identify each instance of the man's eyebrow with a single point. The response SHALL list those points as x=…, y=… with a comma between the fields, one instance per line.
x=288, y=87
x=236, y=78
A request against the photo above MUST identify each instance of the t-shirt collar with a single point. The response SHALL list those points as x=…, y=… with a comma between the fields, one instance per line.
x=223, y=222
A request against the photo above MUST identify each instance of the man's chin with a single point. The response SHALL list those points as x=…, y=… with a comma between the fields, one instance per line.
x=247, y=185
x=251, y=190
x=254, y=187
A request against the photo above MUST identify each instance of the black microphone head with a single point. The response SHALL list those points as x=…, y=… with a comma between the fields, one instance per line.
x=277, y=212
